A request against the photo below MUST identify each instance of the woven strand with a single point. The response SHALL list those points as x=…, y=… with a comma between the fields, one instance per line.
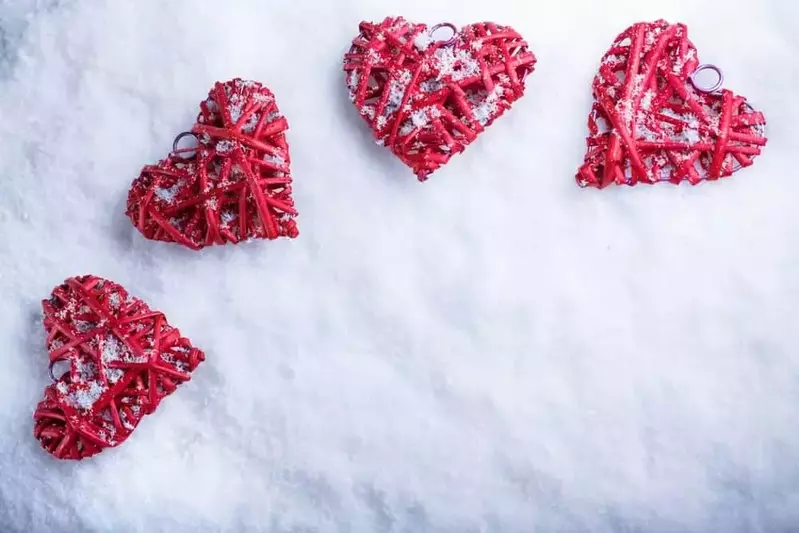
x=427, y=100
x=237, y=186
x=124, y=359
x=650, y=124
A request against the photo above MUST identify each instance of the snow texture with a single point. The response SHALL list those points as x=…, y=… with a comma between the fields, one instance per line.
x=495, y=350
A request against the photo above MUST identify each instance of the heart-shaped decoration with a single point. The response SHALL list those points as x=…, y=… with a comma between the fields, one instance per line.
x=236, y=184
x=428, y=99
x=652, y=122
x=123, y=358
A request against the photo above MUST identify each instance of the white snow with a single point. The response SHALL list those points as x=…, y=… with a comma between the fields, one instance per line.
x=431, y=86
x=85, y=398
x=423, y=41
x=112, y=348
x=252, y=122
x=353, y=81
x=168, y=194
x=227, y=217
x=276, y=159
x=396, y=91
x=114, y=374
x=262, y=98
x=82, y=326
x=235, y=108
x=224, y=146
x=419, y=119
x=493, y=351
x=487, y=109
x=455, y=63
x=114, y=300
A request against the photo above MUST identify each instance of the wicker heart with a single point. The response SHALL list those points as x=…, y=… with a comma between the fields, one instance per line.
x=123, y=360
x=237, y=184
x=651, y=122
x=427, y=99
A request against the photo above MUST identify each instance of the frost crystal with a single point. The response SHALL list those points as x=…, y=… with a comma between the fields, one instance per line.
x=114, y=375
x=112, y=349
x=489, y=108
x=646, y=101
x=224, y=146
x=227, y=217
x=249, y=126
x=431, y=86
x=168, y=194
x=83, y=326
x=368, y=111
x=396, y=91
x=275, y=159
x=457, y=65
x=86, y=398
x=235, y=108
x=353, y=81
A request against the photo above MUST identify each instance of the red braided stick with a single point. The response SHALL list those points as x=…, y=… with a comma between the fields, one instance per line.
x=238, y=185
x=427, y=100
x=649, y=123
x=124, y=359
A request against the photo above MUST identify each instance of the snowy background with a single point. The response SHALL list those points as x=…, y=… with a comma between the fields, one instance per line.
x=495, y=350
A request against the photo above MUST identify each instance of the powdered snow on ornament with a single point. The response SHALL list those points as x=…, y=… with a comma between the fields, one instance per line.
x=427, y=99
x=233, y=187
x=123, y=359
x=650, y=123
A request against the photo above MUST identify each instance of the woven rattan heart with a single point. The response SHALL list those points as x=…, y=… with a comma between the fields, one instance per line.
x=650, y=123
x=237, y=184
x=123, y=360
x=428, y=99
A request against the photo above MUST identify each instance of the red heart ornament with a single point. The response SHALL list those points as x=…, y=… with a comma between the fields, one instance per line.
x=427, y=99
x=237, y=185
x=650, y=123
x=124, y=358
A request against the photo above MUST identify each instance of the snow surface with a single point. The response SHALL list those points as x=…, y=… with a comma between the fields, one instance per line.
x=495, y=350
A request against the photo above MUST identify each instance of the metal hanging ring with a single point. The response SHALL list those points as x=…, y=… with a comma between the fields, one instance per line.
x=713, y=88
x=185, y=153
x=50, y=369
x=447, y=25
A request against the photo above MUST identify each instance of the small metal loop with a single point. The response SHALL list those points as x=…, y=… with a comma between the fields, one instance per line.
x=448, y=25
x=52, y=373
x=185, y=153
x=712, y=89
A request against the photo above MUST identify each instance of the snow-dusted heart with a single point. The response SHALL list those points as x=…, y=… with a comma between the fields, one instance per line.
x=427, y=99
x=123, y=359
x=651, y=122
x=237, y=185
